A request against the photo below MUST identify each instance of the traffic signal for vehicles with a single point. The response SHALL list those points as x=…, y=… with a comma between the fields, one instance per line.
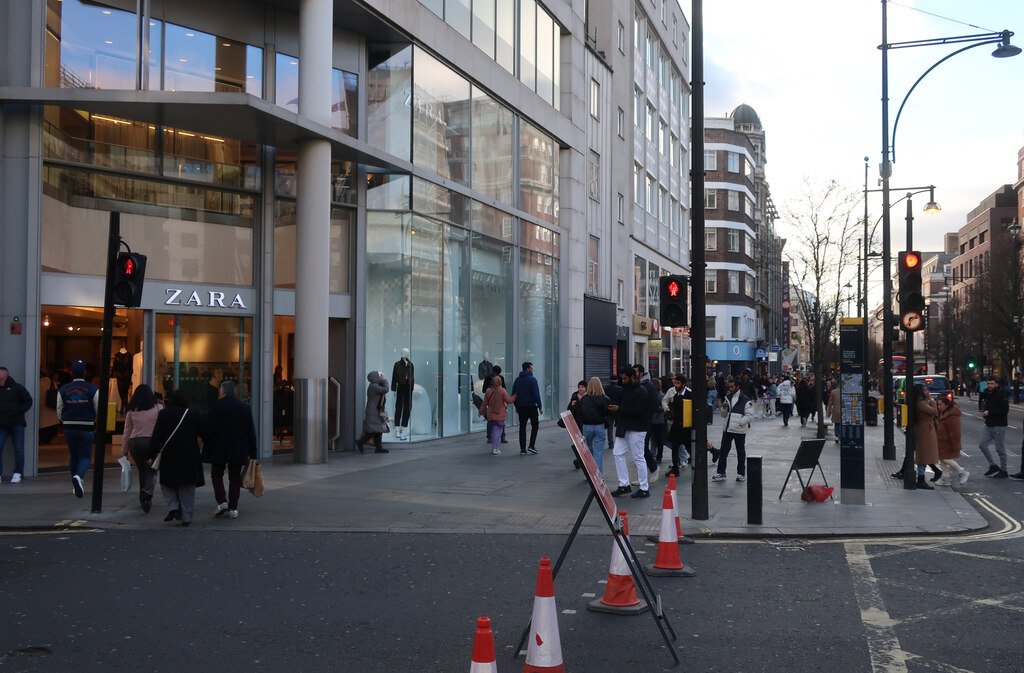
x=673, y=300
x=910, y=295
x=971, y=363
x=129, y=275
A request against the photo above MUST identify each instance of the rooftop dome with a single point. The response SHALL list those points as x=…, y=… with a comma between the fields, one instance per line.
x=744, y=114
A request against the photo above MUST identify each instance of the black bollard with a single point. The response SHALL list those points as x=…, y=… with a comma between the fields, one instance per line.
x=754, y=479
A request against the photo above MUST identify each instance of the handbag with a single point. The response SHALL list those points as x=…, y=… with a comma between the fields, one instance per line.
x=252, y=480
x=382, y=413
x=156, y=461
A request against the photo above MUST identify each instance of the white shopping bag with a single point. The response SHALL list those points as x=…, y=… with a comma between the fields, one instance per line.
x=126, y=474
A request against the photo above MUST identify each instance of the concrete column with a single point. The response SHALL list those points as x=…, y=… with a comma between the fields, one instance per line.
x=313, y=241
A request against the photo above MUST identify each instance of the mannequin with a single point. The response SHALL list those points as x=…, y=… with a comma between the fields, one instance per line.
x=137, y=368
x=402, y=381
x=484, y=369
x=122, y=369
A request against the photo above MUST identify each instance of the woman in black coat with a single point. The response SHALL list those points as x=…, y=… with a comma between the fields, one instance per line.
x=804, y=401
x=181, y=468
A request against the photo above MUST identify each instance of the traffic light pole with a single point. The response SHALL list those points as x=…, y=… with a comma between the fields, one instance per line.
x=100, y=431
x=910, y=396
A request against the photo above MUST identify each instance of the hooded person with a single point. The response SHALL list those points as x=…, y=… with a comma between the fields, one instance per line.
x=375, y=416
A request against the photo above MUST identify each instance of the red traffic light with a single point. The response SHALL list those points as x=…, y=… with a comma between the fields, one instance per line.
x=911, y=260
x=673, y=288
x=129, y=266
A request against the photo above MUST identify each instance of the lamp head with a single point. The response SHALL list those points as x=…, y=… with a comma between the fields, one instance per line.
x=1005, y=49
x=932, y=206
x=1013, y=227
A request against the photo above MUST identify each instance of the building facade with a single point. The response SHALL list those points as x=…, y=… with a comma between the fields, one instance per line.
x=323, y=189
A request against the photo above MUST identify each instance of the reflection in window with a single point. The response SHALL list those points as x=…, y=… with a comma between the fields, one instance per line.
x=344, y=93
x=190, y=233
x=441, y=119
x=284, y=245
x=197, y=61
x=537, y=173
x=538, y=323
x=89, y=46
x=493, y=147
x=389, y=86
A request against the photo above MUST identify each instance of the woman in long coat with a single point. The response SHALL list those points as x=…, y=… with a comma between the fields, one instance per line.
x=181, y=468
x=804, y=401
x=373, y=427
x=949, y=439
x=926, y=442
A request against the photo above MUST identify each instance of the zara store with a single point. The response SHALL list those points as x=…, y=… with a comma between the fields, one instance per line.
x=444, y=233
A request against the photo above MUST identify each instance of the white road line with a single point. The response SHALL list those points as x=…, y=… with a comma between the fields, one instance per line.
x=883, y=645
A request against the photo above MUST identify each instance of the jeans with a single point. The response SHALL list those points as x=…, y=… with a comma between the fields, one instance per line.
x=741, y=452
x=17, y=435
x=787, y=411
x=234, y=483
x=79, y=446
x=596, y=435
x=632, y=443
x=988, y=434
x=531, y=414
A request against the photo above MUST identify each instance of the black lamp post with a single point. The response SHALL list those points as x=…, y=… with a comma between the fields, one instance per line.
x=1005, y=49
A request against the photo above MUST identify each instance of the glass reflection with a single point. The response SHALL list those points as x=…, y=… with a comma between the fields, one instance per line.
x=89, y=46
x=493, y=147
x=284, y=245
x=441, y=119
x=388, y=94
x=198, y=61
x=538, y=173
x=344, y=93
x=538, y=327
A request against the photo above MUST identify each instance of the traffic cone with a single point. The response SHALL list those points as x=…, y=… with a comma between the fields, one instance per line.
x=675, y=510
x=545, y=652
x=668, y=563
x=620, y=594
x=483, y=648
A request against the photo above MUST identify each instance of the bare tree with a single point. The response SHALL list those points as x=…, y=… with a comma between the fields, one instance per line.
x=823, y=257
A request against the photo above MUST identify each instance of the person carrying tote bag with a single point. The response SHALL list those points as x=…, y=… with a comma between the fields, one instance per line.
x=178, y=431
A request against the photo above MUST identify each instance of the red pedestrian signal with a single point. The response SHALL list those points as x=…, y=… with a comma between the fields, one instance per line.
x=672, y=296
x=129, y=276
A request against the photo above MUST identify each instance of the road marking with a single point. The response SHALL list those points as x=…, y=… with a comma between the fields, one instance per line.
x=883, y=645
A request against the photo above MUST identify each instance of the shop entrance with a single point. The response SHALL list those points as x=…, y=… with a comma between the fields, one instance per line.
x=192, y=352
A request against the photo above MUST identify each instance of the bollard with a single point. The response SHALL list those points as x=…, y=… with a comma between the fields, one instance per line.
x=754, y=501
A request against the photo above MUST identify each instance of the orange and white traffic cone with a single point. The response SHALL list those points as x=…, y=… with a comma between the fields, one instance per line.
x=668, y=563
x=483, y=648
x=675, y=511
x=545, y=651
x=620, y=594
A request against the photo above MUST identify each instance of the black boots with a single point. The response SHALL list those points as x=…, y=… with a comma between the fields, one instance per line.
x=922, y=483
x=937, y=471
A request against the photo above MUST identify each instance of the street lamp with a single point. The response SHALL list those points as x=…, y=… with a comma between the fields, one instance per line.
x=1013, y=227
x=1005, y=49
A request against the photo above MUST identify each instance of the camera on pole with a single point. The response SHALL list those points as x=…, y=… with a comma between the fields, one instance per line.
x=129, y=276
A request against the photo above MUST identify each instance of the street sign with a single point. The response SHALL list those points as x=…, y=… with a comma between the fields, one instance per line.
x=911, y=321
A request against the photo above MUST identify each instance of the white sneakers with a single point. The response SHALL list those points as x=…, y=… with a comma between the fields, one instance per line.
x=222, y=508
x=232, y=513
x=963, y=477
x=76, y=483
x=16, y=478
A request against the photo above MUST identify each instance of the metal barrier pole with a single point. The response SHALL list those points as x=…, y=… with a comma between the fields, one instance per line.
x=754, y=484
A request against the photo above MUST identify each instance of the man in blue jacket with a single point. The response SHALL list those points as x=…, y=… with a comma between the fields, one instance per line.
x=77, y=404
x=528, y=406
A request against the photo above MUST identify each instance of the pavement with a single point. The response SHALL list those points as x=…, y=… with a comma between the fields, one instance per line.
x=455, y=485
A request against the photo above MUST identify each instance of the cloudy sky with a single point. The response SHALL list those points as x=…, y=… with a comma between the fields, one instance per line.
x=812, y=71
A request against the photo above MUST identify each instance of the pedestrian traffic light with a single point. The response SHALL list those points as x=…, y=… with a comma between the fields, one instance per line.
x=129, y=275
x=673, y=300
x=972, y=364
x=910, y=295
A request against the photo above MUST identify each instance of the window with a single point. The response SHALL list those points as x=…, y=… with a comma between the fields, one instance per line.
x=593, y=266
x=663, y=211
x=733, y=244
x=734, y=200
x=620, y=123
x=710, y=160
x=639, y=286
x=675, y=215
x=652, y=127
x=674, y=150
x=663, y=137
x=638, y=185
x=675, y=30
x=595, y=176
x=711, y=283
x=749, y=240
x=981, y=238
x=620, y=38
x=638, y=108
x=711, y=239
x=749, y=288
x=734, y=282
x=595, y=99
x=709, y=326
x=638, y=29
x=748, y=169
x=652, y=194
x=748, y=206
x=710, y=199
x=735, y=324
x=620, y=206
x=620, y=292
x=664, y=12
x=734, y=162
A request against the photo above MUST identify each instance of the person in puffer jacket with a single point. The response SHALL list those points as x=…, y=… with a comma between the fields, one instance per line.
x=737, y=422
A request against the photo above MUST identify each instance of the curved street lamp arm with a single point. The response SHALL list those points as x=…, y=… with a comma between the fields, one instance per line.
x=895, y=124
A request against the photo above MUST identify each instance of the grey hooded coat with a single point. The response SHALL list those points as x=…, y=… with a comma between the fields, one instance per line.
x=375, y=392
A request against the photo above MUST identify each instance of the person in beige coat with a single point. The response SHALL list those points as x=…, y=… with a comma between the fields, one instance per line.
x=926, y=443
x=949, y=440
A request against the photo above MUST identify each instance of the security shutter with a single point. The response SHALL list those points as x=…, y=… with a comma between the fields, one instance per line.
x=597, y=361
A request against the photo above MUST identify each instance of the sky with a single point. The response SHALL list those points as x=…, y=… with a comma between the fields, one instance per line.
x=811, y=69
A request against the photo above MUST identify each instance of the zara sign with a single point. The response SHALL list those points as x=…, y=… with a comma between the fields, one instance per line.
x=210, y=298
